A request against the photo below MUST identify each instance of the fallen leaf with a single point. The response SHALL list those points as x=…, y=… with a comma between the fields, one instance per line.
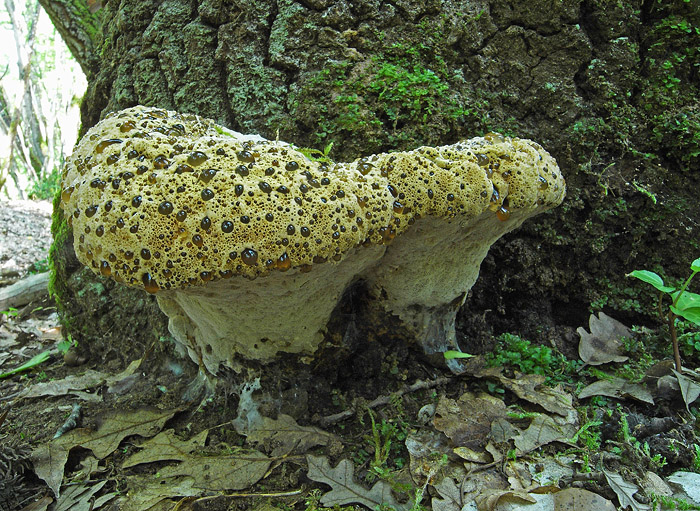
x=117, y=425
x=283, y=436
x=543, y=430
x=467, y=421
x=87, y=380
x=51, y=332
x=625, y=492
x=689, y=482
x=652, y=483
x=603, y=344
x=573, y=499
x=450, y=496
x=145, y=492
x=518, y=475
x=543, y=502
x=503, y=431
x=489, y=499
x=422, y=447
x=344, y=488
x=236, y=471
x=690, y=389
x=617, y=388
x=550, y=470
x=530, y=387
x=79, y=497
x=40, y=505
x=165, y=446
x=482, y=483
x=49, y=459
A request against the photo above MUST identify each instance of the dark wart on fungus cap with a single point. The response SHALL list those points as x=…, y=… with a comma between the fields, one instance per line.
x=168, y=202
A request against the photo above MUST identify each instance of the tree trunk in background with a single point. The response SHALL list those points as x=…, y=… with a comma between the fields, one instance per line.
x=25, y=33
x=609, y=88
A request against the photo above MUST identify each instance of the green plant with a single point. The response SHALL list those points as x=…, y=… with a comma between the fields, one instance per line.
x=657, y=461
x=39, y=266
x=683, y=303
x=514, y=351
x=384, y=436
x=696, y=458
x=33, y=362
x=11, y=312
x=46, y=188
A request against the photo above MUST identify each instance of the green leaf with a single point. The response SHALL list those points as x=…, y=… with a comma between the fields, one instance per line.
x=651, y=278
x=695, y=265
x=452, y=354
x=34, y=361
x=691, y=313
x=687, y=300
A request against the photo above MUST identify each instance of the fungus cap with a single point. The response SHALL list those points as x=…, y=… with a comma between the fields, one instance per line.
x=194, y=212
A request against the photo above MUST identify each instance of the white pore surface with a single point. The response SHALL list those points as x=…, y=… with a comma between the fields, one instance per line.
x=436, y=261
x=285, y=311
x=431, y=265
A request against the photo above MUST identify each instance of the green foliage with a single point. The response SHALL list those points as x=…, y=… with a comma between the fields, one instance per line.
x=688, y=339
x=387, y=440
x=683, y=303
x=32, y=362
x=46, y=188
x=518, y=353
x=39, y=266
x=668, y=96
x=10, y=313
x=696, y=458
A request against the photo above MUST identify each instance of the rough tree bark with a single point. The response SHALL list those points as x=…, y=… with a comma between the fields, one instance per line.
x=609, y=88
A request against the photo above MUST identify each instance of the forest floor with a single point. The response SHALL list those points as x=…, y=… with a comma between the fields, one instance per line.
x=521, y=428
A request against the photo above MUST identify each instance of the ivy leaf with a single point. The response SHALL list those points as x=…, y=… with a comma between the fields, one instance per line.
x=651, y=278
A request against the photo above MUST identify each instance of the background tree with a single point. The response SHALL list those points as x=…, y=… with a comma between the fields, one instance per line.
x=609, y=88
x=34, y=106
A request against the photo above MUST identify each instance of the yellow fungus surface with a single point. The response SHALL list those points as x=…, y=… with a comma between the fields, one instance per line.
x=166, y=201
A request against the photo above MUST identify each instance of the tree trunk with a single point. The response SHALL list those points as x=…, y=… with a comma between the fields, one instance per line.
x=608, y=88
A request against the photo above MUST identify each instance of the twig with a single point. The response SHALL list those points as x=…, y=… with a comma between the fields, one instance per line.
x=272, y=495
x=383, y=400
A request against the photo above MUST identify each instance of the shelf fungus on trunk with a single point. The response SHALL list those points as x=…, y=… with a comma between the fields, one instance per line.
x=249, y=245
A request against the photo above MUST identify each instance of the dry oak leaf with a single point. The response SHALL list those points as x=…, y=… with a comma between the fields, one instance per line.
x=625, y=492
x=617, y=388
x=467, y=421
x=236, y=471
x=283, y=436
x=165, y=446
x=49, y=459
x=344, y=488
x=543, y=430
x=604, y=342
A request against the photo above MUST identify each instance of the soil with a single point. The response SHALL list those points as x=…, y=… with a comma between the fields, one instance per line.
x=360, y=364
x=26, y=237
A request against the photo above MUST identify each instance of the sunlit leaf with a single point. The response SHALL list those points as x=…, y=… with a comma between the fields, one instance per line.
x=651, y=278
x=695, y=265
x=33, y=362
x=691, y=314
x=452, y=354
x=687, y=300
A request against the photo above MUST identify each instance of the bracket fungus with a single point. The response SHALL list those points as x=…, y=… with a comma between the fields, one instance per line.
x=249, y=245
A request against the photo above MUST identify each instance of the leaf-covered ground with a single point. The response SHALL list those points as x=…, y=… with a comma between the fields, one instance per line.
x=522, y=427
